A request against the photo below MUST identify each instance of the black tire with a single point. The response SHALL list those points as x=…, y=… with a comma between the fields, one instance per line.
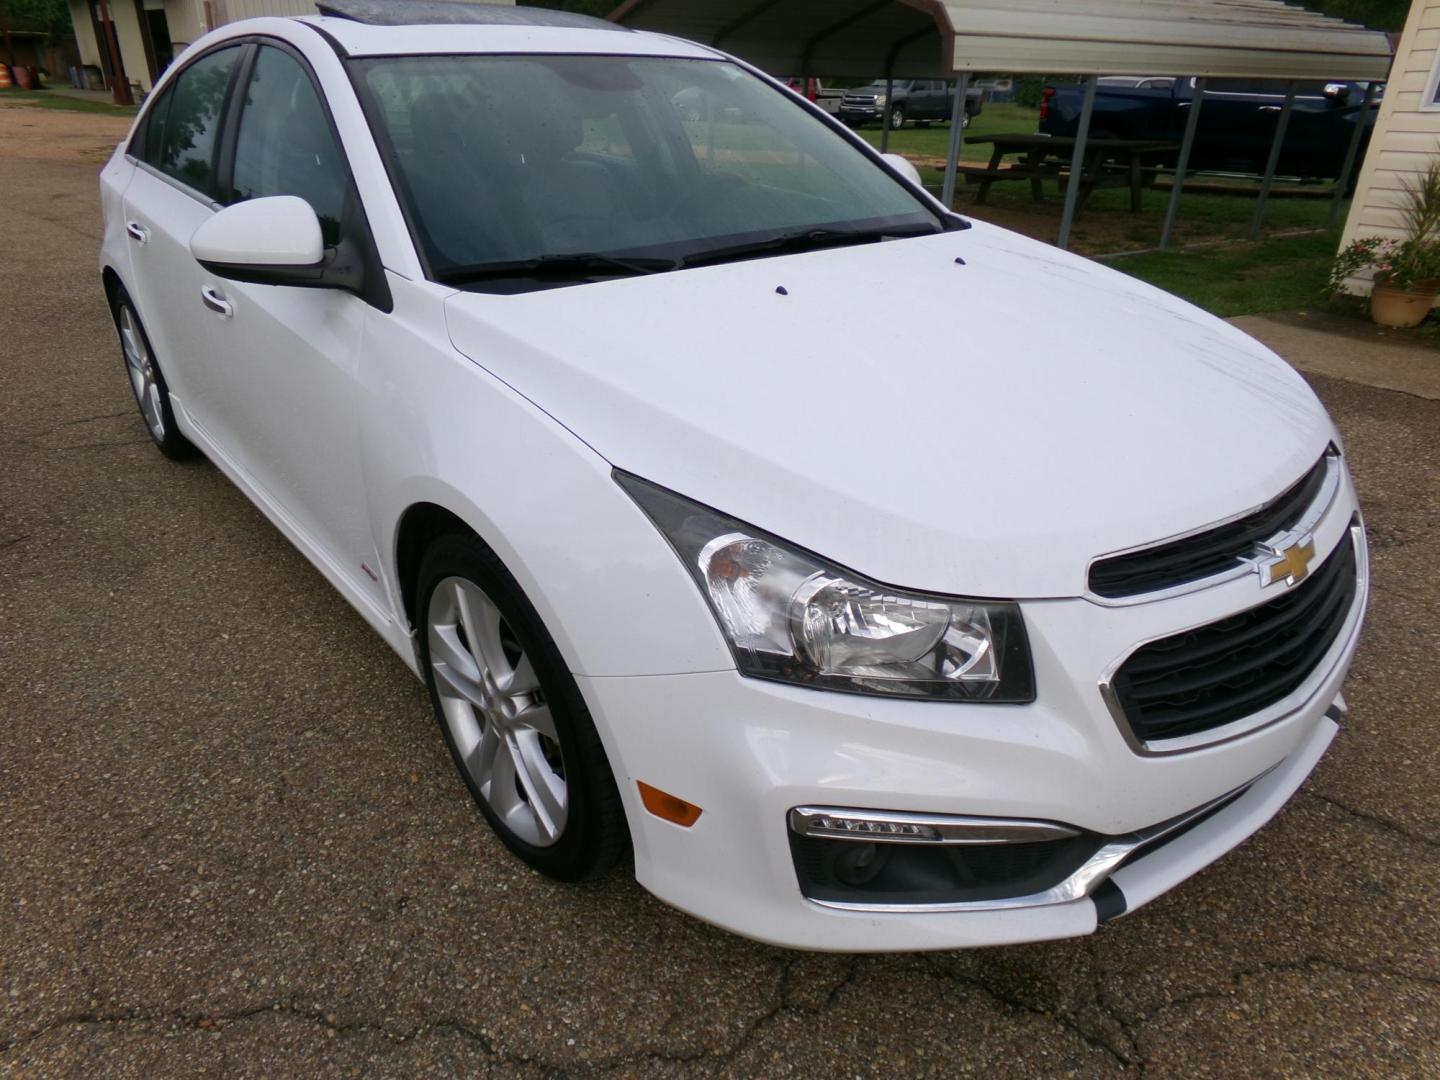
x=139, y=356
x=594, y=835
x=897, y=118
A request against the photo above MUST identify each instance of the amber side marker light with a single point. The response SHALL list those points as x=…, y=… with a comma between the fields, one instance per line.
x=670, y=807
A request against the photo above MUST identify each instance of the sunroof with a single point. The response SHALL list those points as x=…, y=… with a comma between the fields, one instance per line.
x=456, y=12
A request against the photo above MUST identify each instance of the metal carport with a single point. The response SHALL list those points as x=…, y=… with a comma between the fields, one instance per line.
x=953, y=38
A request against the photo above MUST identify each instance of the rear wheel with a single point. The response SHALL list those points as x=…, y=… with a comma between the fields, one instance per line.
x=513, y=717
x=147, y=383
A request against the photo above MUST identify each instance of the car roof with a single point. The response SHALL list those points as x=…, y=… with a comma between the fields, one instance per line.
x=436, y=27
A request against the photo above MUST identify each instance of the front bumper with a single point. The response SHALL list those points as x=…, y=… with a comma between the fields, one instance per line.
x=748, y=752
x=689, y=735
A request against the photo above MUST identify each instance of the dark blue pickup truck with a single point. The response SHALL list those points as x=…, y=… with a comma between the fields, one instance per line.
x=1237, y=121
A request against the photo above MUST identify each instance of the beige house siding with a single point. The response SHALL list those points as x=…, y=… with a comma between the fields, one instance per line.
x=228, y=11
x=1407, y=134
x=85, y=41
x=185, y=19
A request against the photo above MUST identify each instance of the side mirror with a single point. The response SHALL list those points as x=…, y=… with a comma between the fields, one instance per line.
x=1337, y=93
x=278, y=232
x=904, y=167
x=277, y=241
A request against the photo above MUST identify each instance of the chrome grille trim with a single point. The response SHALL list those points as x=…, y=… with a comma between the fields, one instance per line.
x=1324, y=500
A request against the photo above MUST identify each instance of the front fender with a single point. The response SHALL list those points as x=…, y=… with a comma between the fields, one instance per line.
x=437, y=428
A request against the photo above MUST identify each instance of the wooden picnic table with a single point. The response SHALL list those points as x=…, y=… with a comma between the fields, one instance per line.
x=1107, y=161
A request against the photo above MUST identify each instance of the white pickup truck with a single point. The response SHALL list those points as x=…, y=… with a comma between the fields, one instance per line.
x=816, y=91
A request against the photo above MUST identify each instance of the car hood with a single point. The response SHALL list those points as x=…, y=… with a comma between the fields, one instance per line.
x=981, y=429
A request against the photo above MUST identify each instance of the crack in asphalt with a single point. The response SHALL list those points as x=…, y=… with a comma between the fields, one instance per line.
x=1127, y=1058
x=217, y=1022
x=98, y=416
x=1096, y=1041
x=1308, y=965
x=1383, y=823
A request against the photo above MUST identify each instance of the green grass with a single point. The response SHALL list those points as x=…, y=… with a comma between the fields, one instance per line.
x=1276, y=274
x=934, y=141
x=1202, y=214
x=43, y=99
x=1232, y=277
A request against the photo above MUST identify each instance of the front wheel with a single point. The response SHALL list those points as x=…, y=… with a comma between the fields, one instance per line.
x=897, y=118
x=513, y=717
x=147, y=383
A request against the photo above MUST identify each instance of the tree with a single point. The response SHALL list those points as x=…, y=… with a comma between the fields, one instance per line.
x=1376, y=14
x=46, y=16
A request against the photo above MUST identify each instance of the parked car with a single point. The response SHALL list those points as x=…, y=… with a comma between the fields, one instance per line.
x=860, y=635
x=920, y=100
x=1237, y=122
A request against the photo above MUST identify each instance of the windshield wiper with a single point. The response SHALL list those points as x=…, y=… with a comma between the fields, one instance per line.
x=804, y=240
x=581, y=265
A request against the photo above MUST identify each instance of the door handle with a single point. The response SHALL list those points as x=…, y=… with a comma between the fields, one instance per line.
x=215, y=301
x=138, y=232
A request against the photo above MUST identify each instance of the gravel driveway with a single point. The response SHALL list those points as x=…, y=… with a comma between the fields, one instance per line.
x=231, y=841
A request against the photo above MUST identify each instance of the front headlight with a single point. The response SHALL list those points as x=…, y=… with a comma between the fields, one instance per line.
x=791, y=616
x=880, y=100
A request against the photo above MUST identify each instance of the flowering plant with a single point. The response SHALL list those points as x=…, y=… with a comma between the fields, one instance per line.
x=1411, y=264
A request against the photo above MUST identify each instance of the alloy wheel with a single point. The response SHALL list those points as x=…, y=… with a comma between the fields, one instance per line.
x=497, y=712
x=144, y=380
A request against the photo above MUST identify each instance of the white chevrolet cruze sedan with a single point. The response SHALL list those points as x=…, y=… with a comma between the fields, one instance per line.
x=555, y=347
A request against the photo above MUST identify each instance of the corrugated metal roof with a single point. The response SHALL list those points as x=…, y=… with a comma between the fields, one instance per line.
x=1251, y=38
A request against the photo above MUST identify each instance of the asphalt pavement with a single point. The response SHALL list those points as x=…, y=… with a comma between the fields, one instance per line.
x=231, y=841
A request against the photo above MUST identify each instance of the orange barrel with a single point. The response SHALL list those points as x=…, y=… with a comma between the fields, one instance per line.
x=5, y=83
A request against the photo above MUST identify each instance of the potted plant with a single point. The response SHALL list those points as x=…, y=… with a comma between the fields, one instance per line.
x=1406, y=271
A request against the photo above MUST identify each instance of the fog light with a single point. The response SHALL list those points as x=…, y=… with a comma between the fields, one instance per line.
x=857, y=865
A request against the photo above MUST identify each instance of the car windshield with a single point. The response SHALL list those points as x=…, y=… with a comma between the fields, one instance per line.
x=542, y=170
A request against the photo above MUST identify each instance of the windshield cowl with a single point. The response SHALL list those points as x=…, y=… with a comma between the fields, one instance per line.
x=553, y=270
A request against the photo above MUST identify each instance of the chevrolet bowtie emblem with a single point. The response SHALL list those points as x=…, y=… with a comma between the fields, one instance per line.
x=1292, y=565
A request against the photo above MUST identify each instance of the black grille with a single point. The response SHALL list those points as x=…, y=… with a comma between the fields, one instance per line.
x=1210, y=552
x=1234, y=668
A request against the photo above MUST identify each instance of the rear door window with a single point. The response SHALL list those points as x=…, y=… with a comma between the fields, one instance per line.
x=183, y=144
